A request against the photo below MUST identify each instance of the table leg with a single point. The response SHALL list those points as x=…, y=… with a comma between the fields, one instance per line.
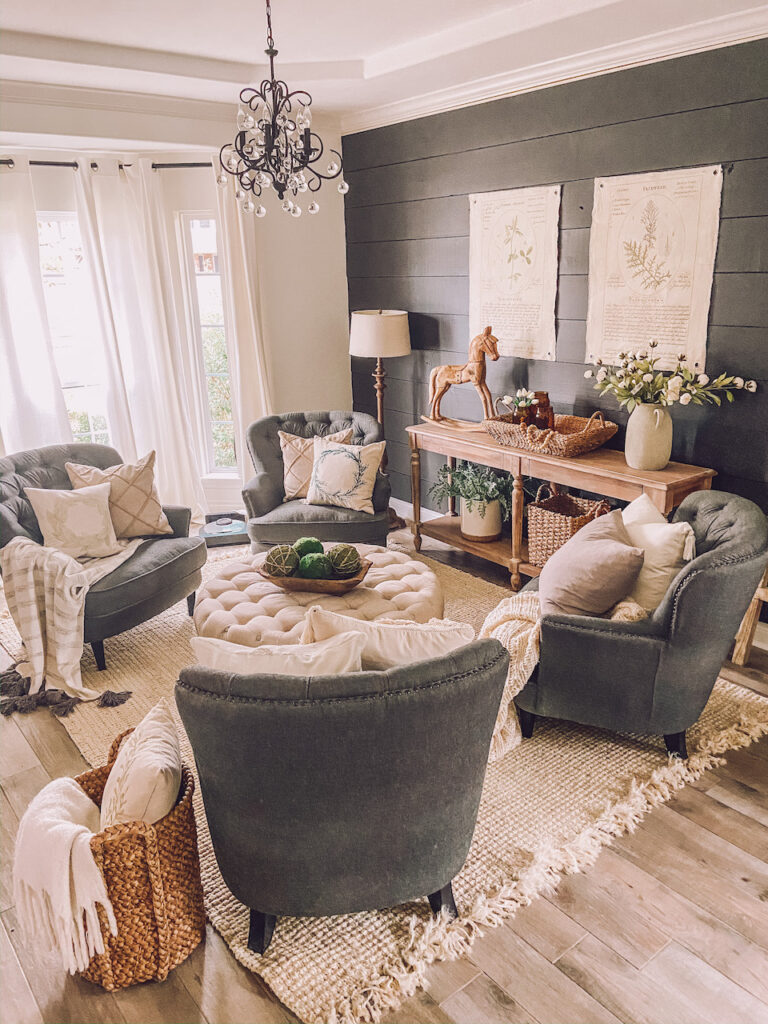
x=416, y=491
x=451, y=501
x=518, y=502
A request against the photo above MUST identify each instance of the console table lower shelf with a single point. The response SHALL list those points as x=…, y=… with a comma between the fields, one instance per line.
x=448, y=530
x=604, y=472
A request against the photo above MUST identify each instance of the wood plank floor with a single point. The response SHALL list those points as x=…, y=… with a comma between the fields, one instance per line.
x=671, y=923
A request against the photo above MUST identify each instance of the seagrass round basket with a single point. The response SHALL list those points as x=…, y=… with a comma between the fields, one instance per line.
x=152, y=875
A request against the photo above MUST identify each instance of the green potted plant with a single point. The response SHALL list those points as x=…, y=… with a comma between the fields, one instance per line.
x=486, y=498
x=646, y=393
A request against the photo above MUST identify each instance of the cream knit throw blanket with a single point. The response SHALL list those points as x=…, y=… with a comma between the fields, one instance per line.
x=516, y=622
x=46, y=590
x=56, y=882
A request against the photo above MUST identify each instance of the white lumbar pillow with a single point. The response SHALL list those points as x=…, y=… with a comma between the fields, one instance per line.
x=78, y=523
x=390, y=642
x=667, y=547
x=335, y=656
x=144, y=782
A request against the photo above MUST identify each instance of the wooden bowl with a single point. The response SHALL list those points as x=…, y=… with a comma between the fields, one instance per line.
x=336, y=587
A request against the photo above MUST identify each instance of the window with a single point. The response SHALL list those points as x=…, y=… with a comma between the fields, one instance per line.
x=71, y=318
x=209, y=329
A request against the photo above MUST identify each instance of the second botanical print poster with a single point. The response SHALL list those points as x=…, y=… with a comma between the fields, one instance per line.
x=651, y=259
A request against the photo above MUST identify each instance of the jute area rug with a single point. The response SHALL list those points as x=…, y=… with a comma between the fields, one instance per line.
x=548, y=807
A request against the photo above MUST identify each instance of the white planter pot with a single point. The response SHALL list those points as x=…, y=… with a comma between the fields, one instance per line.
x=483, y=528
x=648, y=442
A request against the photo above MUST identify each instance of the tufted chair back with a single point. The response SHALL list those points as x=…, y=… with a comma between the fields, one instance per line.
x=41, y=467
x=264, y=442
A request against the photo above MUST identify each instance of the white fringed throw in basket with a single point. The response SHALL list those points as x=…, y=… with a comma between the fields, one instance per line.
x=56, y=883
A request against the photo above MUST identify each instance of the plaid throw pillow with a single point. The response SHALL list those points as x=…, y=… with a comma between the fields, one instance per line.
x=133, y=502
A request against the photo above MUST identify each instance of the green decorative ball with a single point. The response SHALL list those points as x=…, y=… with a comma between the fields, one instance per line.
x=281, y=560
x=307, y=546
x=315, y=566
x=344, y=560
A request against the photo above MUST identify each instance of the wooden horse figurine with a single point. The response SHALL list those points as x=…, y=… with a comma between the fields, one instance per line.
x=472, y=372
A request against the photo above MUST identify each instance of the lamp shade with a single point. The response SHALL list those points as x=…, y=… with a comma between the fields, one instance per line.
x=381, y=333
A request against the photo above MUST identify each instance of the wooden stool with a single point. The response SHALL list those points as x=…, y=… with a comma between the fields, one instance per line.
x=746, y=634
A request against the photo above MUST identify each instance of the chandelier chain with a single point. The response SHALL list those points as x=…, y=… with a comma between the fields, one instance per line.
x=270, y=39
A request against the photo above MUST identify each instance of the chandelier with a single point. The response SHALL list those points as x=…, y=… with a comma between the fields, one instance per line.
x=275, y=145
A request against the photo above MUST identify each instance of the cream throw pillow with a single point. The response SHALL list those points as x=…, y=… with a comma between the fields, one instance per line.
x=667, y=546
x=144, y=782
x=75, y=522
x=335, y=656
x=390, y=642
x=133, y=502
x=344, y=475
x=298, y=459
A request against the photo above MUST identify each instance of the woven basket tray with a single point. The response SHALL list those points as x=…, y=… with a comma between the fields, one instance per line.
x=553, y=521
x=573, y=435
x=152, y=874
x=301, y=583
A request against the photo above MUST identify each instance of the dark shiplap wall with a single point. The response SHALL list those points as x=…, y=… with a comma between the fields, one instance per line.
x=407, y=217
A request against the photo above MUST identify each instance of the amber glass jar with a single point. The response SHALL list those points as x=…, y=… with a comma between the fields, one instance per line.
x=524, y=415
x=544, y=414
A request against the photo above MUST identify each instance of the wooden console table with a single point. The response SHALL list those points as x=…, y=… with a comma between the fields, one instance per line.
x=601, y=472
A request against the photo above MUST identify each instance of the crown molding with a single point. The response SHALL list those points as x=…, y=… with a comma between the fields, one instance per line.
x=711, y=34
x=60, y=50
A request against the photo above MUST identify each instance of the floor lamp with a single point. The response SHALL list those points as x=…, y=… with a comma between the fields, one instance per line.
x=380, y=334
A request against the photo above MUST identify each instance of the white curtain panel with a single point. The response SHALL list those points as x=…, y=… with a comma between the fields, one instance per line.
x=146, y=386
x=32, y=409
x=251, y=391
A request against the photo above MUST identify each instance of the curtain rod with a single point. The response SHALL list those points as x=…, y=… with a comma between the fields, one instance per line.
x=164, y=167
x=10, y=162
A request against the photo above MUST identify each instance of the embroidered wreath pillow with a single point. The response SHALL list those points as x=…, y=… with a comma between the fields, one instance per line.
x=133, y=502
x=344, y=475
x=298, y=459
x=75, y=522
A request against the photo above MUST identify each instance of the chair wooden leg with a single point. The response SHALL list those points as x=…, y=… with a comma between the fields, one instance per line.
x=527, y=722
x=260, y=931
x=675, y=742
x=443, y=900
x=191, y=602
x=98, y=652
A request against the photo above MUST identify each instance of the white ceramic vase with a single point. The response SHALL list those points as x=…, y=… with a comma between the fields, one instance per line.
x=648, y=443
x=482, y=528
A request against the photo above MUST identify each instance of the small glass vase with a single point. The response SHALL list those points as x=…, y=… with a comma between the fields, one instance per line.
x=648, y=442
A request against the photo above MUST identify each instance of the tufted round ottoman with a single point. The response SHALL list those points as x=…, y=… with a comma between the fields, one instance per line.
x=241, y=606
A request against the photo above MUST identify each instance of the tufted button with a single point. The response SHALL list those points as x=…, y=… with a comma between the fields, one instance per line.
x=239, y=605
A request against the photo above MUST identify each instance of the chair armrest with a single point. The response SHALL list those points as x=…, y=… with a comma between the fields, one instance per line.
x=594, y=626
x=260, y=495
x=382, y=492
x=179, y=519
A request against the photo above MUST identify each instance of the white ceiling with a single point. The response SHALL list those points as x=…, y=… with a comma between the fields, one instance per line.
x=366, y=63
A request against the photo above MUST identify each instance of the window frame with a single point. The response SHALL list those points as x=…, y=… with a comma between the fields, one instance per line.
x=192, y=312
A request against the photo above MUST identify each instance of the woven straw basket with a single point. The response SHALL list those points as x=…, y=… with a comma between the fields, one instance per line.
x=573, y=435
x=152, y=874
x=553, y=521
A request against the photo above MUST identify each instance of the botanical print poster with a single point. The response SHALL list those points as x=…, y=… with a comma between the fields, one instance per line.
x=513, y=268
x=651, y=258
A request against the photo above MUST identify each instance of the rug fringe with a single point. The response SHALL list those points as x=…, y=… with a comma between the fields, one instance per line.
x=443, y=938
